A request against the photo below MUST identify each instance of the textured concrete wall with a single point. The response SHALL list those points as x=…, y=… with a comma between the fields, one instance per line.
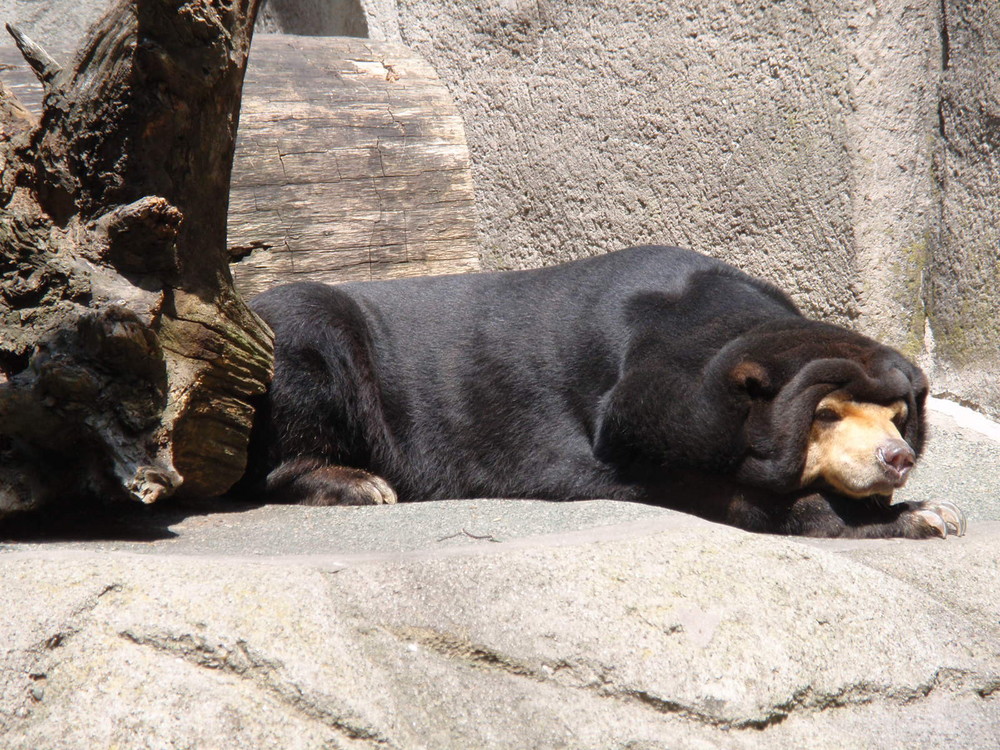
x=328, y=18
x=754, y=132
x=55, y=25
x=60, y=24
x=845, y=149
x=964, y=292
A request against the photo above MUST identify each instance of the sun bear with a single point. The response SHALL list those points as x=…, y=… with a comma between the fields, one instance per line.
x=653, y=374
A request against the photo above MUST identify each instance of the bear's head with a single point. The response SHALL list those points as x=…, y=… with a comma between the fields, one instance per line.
x=824, y=407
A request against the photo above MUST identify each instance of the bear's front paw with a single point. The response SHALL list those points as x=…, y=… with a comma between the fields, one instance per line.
x=309, y=481
x=937, y=519
x=357, y=487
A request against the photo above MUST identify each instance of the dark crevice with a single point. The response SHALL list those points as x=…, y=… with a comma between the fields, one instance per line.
x=945, y=41
x=945, y=64
x=239, y=252
x=990, y=690
x=12, y=363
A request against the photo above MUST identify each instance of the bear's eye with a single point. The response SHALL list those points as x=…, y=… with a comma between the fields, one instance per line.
x=826, y=415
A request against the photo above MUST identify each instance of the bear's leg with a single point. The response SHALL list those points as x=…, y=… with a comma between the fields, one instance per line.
x=311, y=481
x=822, y=515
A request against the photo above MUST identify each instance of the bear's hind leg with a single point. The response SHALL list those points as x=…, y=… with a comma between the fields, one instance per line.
x=311, y=481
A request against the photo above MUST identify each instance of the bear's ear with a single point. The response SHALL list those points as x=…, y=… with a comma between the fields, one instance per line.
x=752, y=378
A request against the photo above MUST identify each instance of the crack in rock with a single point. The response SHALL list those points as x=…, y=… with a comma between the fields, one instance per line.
x=71, y=626
x=598, y=681
x=462, y=649
x=26, y=670
x=242, y=661
x=989, y=690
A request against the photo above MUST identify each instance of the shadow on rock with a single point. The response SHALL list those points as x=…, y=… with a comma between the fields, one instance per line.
x=111, y=522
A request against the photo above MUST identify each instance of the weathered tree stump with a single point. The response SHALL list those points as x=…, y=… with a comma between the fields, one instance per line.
x=127, y=359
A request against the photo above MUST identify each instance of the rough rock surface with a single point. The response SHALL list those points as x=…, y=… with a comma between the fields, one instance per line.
x=666, y=633
x=493, y=623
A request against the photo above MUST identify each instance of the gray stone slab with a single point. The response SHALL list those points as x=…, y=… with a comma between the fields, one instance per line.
x=274, y=530
x=663, y=632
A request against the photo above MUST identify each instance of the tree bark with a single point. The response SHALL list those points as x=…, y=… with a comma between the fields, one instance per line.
x=127, y=361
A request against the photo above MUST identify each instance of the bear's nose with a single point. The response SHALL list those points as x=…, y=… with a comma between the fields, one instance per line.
x=897, y=455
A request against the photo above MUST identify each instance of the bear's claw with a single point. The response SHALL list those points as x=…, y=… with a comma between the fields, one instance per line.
x=381, y=493
x=943, y=518
x=354, y=487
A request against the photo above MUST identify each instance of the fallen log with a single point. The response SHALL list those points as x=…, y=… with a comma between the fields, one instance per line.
x=351, y=164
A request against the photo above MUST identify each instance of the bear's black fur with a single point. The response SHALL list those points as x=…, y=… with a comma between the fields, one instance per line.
x=652, y=374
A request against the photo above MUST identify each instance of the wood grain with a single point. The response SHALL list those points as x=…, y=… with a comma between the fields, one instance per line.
x=351, y=163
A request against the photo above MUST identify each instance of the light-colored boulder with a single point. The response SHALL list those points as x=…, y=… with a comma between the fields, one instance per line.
x=666, y=632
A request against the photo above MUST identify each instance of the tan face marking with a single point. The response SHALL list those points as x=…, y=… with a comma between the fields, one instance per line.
x=856, y=447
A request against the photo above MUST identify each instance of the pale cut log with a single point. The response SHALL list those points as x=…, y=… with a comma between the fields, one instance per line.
x=351, y=163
